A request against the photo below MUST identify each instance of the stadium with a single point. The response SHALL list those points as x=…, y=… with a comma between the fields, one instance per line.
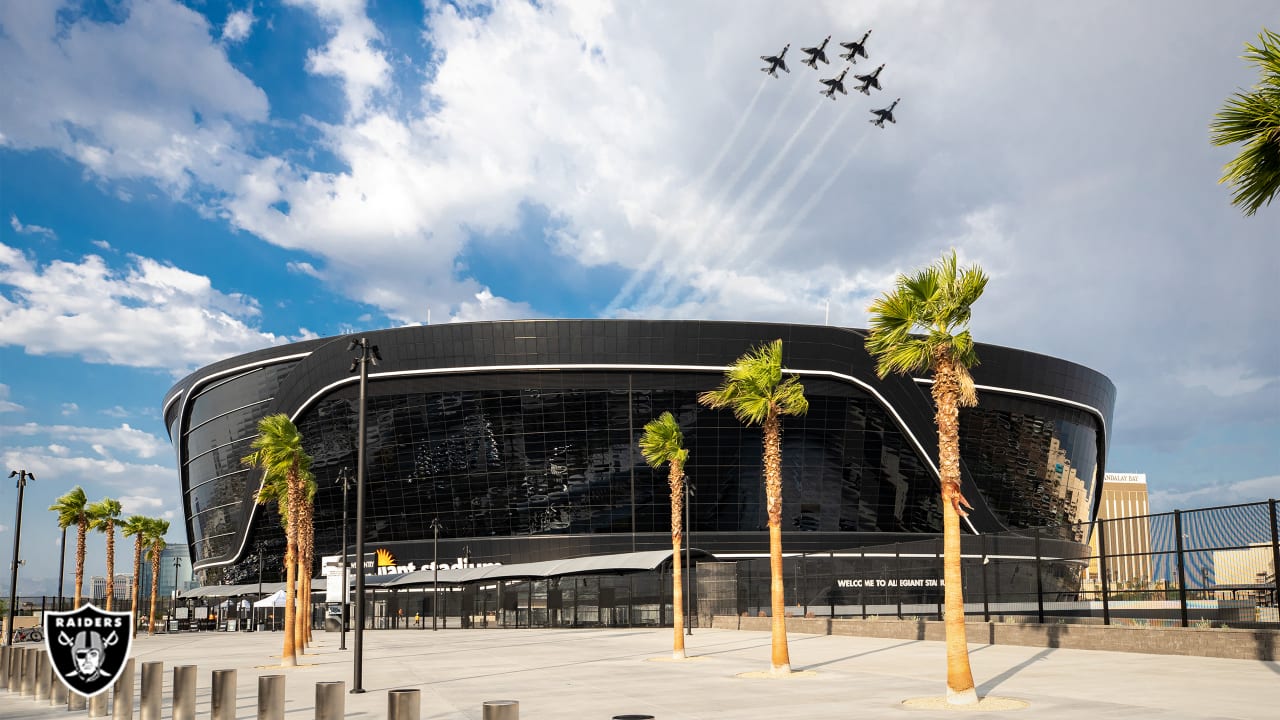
x=520, y=439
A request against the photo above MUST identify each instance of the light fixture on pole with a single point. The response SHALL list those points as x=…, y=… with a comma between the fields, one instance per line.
x=368, y=354
x=435, y=570
x=23, y=476
x=344, y=477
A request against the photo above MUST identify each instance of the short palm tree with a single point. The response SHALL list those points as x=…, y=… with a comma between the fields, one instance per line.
x=913, y=330
x=156, y=530
x=755, y=390
x=103, y=516
x=72, y=510
x=278, y=451
x=663, y=443
x=135, y=526
x=1253, y=118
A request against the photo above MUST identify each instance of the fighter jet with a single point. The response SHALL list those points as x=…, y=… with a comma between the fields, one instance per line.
x=776, y=62
x=871, y=80
x=856, y=48
x=833, y=85
x=816, y=54
x=884, y=114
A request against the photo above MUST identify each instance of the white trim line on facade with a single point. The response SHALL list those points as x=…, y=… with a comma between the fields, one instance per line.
x=902, y=425
x=1039, y=396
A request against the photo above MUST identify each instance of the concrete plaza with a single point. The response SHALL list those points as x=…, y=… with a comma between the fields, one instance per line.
x=599, y=673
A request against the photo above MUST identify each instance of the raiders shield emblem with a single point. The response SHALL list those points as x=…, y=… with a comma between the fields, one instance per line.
x=88, y=647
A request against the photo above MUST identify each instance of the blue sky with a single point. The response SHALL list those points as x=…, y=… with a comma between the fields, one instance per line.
x=184, y=181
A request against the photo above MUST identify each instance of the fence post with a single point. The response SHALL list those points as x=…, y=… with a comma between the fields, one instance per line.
x=184, y=692
x=404, y=704
x=831, y=595
x=1039, y=585
x=897, y=571
x=122, y=693
x=986, y=596
x=222, y=699
x=152, y=687
x=937, y=556
x=1182, y=570
x=331, y=700
x=270, y=697
x=862, y=597
x=1275, y=554
x=1102, y=571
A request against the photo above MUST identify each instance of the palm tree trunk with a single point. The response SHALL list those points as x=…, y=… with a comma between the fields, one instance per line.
x=676, y=480
x=155, y=584
x=82, y=529
x=111, y=562
x=137, y=568
x=781, y=659
x=289, y=655
x=946, y=395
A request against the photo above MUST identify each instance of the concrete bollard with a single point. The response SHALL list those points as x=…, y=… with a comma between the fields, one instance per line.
x=76, y=701
x=270, y=697
x=222, y=702
x=98, y=705
x=331, y=700
x=29, y=661
x=58, y=693
x=500, y=710
x=122, y=693
x=404, y=704
x=152, y=691
x=184, y=692
x=44, y=673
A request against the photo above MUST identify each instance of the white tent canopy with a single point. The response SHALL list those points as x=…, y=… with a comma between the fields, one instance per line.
x=275, y=599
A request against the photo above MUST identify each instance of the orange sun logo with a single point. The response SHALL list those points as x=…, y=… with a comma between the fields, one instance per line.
x=385, y=558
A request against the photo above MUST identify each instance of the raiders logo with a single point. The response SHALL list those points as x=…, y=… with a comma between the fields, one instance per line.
x=88, y=647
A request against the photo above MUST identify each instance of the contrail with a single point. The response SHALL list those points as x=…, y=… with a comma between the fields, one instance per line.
x=816, y=197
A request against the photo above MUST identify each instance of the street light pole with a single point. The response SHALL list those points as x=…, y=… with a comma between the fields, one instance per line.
x=435, y=570
x=344, y=477
x=368, y=354
x=688, y=569
x=173, y=606
x=255, y=610
x=62, y=564
x=23, y=476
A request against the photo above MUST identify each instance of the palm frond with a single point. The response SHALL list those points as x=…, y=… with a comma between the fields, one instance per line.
x=754, y=387
x=1253, y=118
x=662, y=441
x=70, y=507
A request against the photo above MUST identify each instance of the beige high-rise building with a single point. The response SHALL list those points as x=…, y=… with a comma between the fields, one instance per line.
x=1123, y=506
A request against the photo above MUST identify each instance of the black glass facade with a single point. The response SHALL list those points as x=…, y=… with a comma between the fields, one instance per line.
x=521, y=438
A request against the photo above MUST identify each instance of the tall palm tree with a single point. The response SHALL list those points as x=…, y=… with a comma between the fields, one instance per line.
x=663, y=442
x=1253, y=118
x=72, y=510
x=102, y=517
x=278, y=451
x=755, y=390
x=937, y=303
x=135, y=526
x=156, y=530
x=306, y=557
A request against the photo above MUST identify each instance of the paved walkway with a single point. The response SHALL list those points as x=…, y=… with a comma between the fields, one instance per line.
x=596, y=674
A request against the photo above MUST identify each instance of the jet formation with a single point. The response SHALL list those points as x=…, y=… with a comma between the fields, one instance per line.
x=854, y=50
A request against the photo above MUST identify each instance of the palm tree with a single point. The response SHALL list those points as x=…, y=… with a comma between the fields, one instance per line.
x=156, y=530
x=72, y=510
x=306, y=557
x=758, y=395
x=136, y=527
x=102, y=517
x=936, y=301
x=1253, y=118
x=278, y=451
x=663, y=442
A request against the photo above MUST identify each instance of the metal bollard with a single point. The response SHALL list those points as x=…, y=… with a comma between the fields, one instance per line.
x=76, y=701
x=29, y=661
x=270, y=697
x=184, y=692
x=10, y=669
x=44, y=673
x=98, y=705
x=331, y=700
x=4, y=667
x=122, y=693
x=222, y=703
x=500, y=710
x=152, y=690
x=632, y=717
x=58, y=693
x=404, y=704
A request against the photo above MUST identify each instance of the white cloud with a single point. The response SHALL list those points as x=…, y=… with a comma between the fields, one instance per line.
x=304, y=268
x=487, y=307
x=116, y=412
x=238, y=26
x=350, y=55
x=147, y=315
x=69, y=409
x=102, y=244
x=1214, y=494
x=5, y=404
x=21, y=229
x=105, y=441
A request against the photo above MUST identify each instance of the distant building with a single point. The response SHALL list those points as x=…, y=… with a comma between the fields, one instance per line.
x=1254, y=565
x=1122, y=517
x=121, y=590
x=167, y=572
